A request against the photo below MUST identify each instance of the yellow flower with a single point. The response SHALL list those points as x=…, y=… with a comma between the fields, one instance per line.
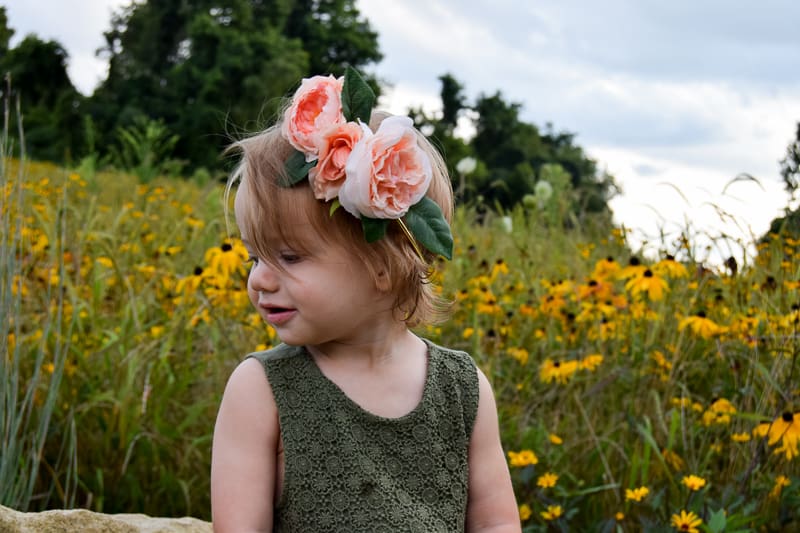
x=105, y=261
x=524, y=512
x=157, y=331
x=468, y=332
x=591, y=362
x=637, y=494
x=520, y=354
x=547, y=480
x=740, y=437
x=673, y=459
x=522, y=458
x=701, y=326
x=227, y=259
x=552, y=512
x=786, y=429
x=648, y=283
x=693, y=482
x=559, y=371
x=686, y=522
x=605, y=268
x=670, y=268
x=719, y=412
x=555, y=439
x=619, y=517
x=780, y=482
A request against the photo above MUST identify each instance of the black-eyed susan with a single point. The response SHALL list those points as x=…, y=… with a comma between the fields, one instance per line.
x=693, y=482
x=670, y=268
x=701, y=326
x=648, y=284
x=786, y=430
x=633, y=269
x=555, y=439
x=227, y=259
x=606, y=268
x=637, y=494
x=686, y=521
x=558, y=371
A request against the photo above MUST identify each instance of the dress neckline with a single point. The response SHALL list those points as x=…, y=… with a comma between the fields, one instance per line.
x=412, y=414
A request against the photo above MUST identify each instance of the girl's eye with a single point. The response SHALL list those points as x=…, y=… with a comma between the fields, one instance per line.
x=290, y=257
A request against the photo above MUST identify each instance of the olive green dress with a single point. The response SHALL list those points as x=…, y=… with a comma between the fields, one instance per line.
x=348, y=470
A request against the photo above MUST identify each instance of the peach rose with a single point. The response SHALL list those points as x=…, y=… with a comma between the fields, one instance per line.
x=316, y=106
x=387, y=172
x=337, y=143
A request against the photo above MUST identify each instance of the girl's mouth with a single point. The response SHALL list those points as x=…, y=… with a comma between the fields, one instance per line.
x=279, y=315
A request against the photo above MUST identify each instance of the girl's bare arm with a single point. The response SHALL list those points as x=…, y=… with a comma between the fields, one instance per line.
x=243, y=465
x=491, y=506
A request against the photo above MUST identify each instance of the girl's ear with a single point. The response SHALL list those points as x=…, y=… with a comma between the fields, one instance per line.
x=382, y=282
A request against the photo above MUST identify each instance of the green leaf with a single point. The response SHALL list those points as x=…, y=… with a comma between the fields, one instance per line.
x=374, y=228
x=426, y=222
x=357, y=97
x=717, y=522
x=297, y=168
x=334, y=206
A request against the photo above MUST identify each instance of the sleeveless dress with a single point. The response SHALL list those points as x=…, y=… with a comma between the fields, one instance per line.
x=348, y=470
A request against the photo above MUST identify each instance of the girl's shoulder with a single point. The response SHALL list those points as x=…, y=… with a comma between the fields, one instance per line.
x=452, y=358
x=281, y=351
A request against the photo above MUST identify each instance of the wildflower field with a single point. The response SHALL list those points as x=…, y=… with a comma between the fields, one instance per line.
x=634, y=394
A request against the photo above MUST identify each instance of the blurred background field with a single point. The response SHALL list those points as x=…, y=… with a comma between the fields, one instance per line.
x=617, y=379
x=643, y=383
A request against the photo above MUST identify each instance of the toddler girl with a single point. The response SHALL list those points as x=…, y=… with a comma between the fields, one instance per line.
x=353, y=423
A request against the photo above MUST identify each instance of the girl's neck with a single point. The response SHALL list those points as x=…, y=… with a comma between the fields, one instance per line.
x=376, y=347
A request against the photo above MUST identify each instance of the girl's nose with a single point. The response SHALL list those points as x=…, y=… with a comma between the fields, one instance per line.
x=263, y=277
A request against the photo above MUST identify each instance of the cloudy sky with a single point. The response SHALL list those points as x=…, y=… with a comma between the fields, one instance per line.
x=675, y=99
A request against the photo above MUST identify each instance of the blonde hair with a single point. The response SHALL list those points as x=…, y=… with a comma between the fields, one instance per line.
x=272, y=212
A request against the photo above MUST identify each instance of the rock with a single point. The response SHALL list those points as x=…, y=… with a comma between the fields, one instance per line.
x=81, y=520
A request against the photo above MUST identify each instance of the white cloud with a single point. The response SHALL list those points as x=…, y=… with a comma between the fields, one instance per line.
x=77, y=24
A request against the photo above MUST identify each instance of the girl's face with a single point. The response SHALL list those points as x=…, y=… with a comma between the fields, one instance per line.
x=321, y=295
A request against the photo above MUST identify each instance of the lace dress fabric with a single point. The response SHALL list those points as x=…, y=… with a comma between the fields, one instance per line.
x=348, y=470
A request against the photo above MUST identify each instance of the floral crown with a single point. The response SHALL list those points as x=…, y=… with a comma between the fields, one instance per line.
x=376, y=177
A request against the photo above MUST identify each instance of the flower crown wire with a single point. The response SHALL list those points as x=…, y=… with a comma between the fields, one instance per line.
x=376, y=177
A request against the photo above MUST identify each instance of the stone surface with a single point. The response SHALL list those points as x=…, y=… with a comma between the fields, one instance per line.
x=81, y=520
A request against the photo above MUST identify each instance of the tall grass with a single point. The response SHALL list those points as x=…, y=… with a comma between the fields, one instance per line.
x=29, y=393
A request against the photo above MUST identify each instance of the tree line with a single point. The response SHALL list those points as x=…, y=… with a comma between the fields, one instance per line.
x=186, y=77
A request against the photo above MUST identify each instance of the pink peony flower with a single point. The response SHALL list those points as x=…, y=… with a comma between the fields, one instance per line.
x=387, y=172
x=316, y=106
x=337, y=143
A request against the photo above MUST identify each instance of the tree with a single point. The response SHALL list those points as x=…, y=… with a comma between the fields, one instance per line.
x=790, y=166
x=512, y=154
x=207, y=67
x=51, y=106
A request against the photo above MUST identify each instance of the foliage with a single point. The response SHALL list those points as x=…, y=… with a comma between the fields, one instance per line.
x=612, y=373
x=31, y=362
x=790, y=165
x=51, y=106
x=511, y=153
x=144, y=148
x=203, y=68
